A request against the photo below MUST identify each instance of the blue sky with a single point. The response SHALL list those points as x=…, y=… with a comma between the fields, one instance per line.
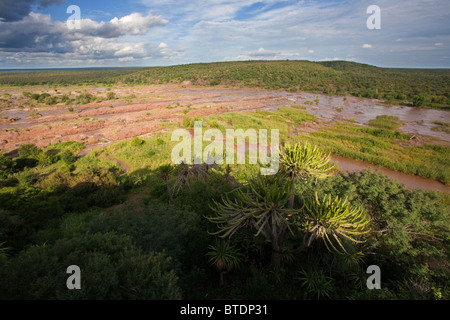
x=34, y=33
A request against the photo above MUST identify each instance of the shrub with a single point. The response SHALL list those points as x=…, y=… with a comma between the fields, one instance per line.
x=111, y=268
x=84, y=98
x=28, y=151
x=188, y=122
x=6, y=165
x=67, y=157
x=136, y=141
x=110, y=96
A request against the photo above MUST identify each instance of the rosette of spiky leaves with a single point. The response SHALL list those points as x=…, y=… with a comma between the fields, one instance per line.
x=300, y=161
x=224, y=256
x=3, y=250
x=333, y=220
x=316, y=283
x=260, y=205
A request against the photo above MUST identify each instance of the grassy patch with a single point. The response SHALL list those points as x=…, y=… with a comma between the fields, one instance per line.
x=441, y=126
x=381, y=148
x=386, y=122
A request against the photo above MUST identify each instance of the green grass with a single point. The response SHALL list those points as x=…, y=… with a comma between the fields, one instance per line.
x=441, y=126
x=442, y=123
x=34, y=115
x=374, y=145
x=381, y=147
x=386, y=122
x=157, y=149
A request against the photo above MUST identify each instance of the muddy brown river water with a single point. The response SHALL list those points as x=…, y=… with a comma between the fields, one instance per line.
x=408, y=180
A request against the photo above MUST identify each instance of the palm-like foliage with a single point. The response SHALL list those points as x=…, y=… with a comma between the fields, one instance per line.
x=300, y=161
x=3, y=250
x=262, y=206
x=225, y=257
x=332, y=220
x=316, y=283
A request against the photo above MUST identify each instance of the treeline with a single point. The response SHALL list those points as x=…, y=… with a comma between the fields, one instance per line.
x=418, y=87
x=62, y=77
x=415, y=87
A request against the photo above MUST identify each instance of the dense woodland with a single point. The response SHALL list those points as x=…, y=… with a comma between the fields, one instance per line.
x=206, y=232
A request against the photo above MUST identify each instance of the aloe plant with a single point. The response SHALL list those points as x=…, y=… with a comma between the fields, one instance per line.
x=261, y=206
x=302, y=161
x=333, y=220
x=225, y=257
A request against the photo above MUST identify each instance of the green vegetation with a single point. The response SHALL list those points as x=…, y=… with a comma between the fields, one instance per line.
x=385, y=122
x=384, y=147
x=141, y=227
x=415, y=87
x=441, y=126
x=147, y=234
x=63, y=77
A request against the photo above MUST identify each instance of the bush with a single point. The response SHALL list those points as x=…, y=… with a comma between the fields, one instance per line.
x=51, y=100
x=136, y=142
x=67, y=157
x=6, y=165
x=188, y=122
x=21, y=163
x=110, y=96
x=155, y=227
x=111, y=268
x=28, y=151
x=84, y=98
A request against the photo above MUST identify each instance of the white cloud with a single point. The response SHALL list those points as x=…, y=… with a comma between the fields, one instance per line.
x=367, y=46
x=438, y=44
x=36, y=38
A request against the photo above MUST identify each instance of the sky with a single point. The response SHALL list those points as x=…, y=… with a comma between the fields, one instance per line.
x=134, y=33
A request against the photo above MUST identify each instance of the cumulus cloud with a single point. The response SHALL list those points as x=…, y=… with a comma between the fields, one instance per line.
x=133, y=24
x=14, y=10
x=367, y=46
x=36, y=37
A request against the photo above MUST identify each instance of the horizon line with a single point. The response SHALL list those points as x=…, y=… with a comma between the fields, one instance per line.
x=211, y=62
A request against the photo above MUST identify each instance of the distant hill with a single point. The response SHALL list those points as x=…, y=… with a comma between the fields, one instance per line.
x=418, y=87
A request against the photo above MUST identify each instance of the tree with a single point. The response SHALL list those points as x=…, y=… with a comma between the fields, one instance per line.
x=6, y=165
x=261, y=206
x=267, y=206
x=332, y=221
x=301, y=162
x=225, y=257
x=164, y=173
